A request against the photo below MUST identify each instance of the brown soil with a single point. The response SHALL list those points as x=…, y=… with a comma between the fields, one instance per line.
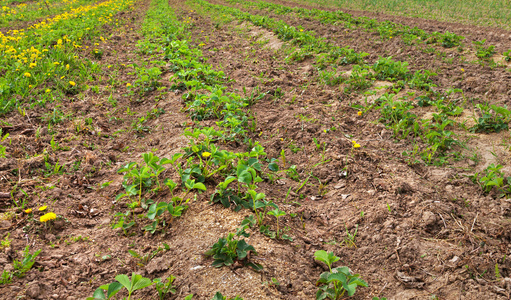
x=422, y=230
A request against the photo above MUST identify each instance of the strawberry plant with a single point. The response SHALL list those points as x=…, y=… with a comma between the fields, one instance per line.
x=337, y=281
x=387, y=69
x=507, y=55
x=230, y=250
x=482, y=51
x=493, y=178
x=493, y=118
x=137, y=282
x=219, y=296
x=164, y=287
x=277, y=213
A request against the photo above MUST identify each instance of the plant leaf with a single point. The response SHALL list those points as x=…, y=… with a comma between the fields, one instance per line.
x=124, y=280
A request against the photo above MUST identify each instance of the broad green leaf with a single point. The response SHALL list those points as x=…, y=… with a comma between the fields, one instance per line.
x=327, y=258
x=338, y=277
x=98, y=294
x=199, y=186
x=142, y=283
x=124, y=280
x=113, y=289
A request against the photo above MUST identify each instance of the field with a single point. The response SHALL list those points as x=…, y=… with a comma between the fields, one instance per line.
x=202, y=149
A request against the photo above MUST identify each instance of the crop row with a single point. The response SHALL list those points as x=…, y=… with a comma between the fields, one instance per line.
x=442, y=144
x=35, y=10
x=238, y=173
x=386, y=29
x=40, y=63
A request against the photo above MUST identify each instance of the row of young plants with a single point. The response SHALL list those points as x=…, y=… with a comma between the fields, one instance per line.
x=386, y=29
x=10, y=14
x=41, y=64
x=336, y=283
x=202, y=160
x=327, y=54
x=397, y=114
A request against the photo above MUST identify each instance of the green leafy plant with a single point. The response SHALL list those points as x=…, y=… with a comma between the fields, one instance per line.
x=21, y=267
x=337, y=281
x=449, y=39
x=164, y=287
x=230, y=250
x=137, y=282
x=219, y=296
x=493, y=118
x=507, y=55
x=277, y=213
x=492, y=177
x=388, y=69
x=349, y=240
x=482, y=51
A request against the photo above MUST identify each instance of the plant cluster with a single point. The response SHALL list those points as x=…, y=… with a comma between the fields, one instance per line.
x=337, y=281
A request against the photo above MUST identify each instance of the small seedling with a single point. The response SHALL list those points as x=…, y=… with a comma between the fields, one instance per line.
x=229, y=250
x=137, y=282
x=338, y=281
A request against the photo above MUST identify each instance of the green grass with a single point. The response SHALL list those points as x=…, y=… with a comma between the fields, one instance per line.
x=495, y=13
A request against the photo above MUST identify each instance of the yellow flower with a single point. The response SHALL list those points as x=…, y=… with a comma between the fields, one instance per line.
x=27, y=74
x=72, y=83
x=43, y=208
x=359, y=113
x=206, y=154
x=56, y=63
x=462, y=70
x=128, y=84
x=393, y=107
x=27, y=211
x=301, y=30
x=355, y=144
x=48, y=90
x=32, y=65
x=47, y=217
x=67, y=67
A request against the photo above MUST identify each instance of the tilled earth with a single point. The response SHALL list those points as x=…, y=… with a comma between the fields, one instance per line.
x=421, y=231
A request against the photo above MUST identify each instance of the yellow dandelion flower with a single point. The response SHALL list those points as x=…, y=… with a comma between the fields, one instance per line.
x=43, y=208
x=462, y=70
x=47, y=217
x=27, y=74
x=128, y=84
x=356, y=145
x=206, y=154
x=393, y=107
x=32, y=65
x=72, y=83
x=359, y=113
x=27, y=211
x=67, y=67
x=48, y=90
